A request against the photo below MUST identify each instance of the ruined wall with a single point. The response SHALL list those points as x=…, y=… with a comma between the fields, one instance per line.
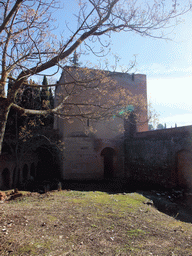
x=161, y=157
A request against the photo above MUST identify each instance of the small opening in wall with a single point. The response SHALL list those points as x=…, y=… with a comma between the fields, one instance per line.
x=88, y=122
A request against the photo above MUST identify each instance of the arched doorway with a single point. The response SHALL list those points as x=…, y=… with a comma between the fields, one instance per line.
x=6, y=178
x=47, y=168
x=108, y=154
x=184, y=168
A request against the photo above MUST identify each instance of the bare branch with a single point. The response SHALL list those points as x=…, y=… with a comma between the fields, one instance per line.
x=28, y=48
x=13, y=10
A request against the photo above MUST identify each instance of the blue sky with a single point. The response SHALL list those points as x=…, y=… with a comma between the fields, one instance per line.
x=167, y=64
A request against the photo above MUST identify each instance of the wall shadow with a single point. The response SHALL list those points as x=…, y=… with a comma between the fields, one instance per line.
x=172, y=202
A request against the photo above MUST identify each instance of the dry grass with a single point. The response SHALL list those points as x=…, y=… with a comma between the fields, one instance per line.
x=89, y=223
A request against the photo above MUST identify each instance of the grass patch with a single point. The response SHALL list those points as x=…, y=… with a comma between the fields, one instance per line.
x=135, y=232
x=90, y=223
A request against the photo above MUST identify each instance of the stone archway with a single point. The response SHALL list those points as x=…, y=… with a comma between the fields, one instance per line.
x=6, y=178
x=108, y=154
x=184, y=168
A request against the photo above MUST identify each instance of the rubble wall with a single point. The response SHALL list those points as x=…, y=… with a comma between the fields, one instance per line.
x=160, y=157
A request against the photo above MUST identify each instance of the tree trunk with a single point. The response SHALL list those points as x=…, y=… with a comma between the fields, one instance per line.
x=4, y=111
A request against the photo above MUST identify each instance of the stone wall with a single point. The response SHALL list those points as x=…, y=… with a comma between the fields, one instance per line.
x=161, y=157
x=80, y=159
x=94, y=149
x=84, y=158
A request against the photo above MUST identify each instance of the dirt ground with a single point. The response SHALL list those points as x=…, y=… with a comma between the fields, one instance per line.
x=71, y=222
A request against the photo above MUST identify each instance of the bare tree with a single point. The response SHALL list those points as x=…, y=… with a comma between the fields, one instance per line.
x=27, y=48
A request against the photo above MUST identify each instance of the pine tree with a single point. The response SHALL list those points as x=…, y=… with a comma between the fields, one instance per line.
x=45, y=94
x=75, y=60
x=51, y=98
x=45, y=82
